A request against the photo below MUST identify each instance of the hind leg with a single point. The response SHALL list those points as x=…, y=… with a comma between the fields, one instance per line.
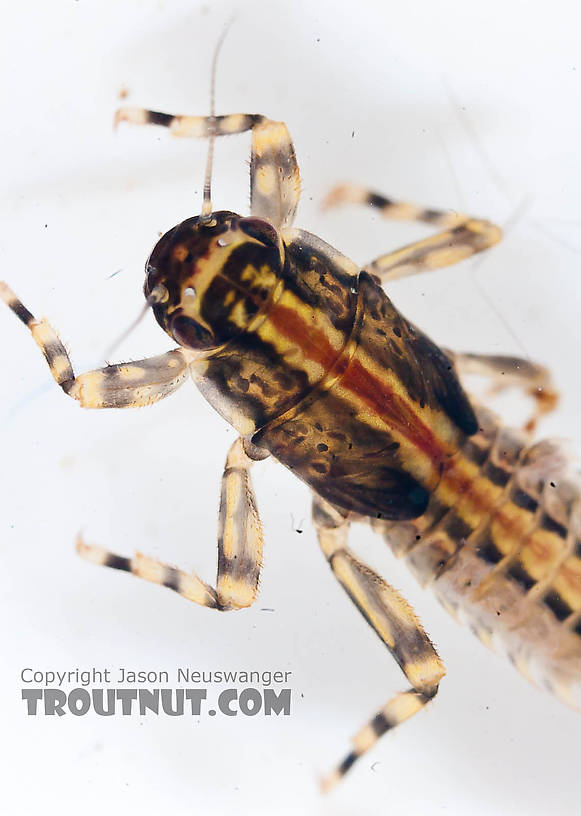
x=393, y=620
x=506, y=372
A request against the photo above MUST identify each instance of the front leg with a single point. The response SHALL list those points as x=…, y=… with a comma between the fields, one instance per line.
x=124, y=385
x=239, y=545
x=142, y=383
x=274, y=173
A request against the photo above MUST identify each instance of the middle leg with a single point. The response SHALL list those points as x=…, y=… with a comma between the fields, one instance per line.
x=461, y=235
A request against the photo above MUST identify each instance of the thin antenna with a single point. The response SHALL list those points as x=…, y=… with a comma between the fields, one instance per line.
x=207, y=202
x=157, y=295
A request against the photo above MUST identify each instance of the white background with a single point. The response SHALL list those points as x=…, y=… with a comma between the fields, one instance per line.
x=451, y=104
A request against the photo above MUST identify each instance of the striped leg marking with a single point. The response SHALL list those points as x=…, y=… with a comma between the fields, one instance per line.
x=125, y=385
x=395, y=623
x=275, y=184
x=239, y=531
x=274, y=174
x=462, y=235
x=505, y=371
x=239, y=547
x=190, y=126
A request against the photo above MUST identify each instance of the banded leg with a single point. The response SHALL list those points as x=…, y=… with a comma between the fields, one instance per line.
x=274, y=174
x=461, y=235
x=395, y=623
x=124, y=385
x=239, y=545
x=506, y=371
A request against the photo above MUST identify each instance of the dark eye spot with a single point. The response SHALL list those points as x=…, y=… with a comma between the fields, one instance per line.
x=189, y=333
x=261, y=230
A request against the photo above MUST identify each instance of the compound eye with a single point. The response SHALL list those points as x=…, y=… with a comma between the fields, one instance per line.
x=260, y=230
x=190, y=333
x=151, y=276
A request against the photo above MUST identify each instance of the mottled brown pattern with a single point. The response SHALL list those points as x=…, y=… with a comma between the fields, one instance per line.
x=249, y=374
x=317, y=281
x=340, y=439
x=420, y=365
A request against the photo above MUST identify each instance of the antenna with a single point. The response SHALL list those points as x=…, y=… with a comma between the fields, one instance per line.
x=207, y=202
x=157, y=295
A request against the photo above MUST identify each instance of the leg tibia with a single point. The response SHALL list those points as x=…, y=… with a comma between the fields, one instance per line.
x=239, y=546
x=393, y=620
x=124, y=385
x=188, y=586
x=274, y=173
x=505, y=371
x=462, y=235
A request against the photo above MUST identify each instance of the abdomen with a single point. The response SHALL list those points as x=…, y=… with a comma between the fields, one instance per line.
x=500, y=543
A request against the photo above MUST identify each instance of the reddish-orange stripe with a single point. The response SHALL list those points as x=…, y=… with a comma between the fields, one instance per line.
x=360, y=381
